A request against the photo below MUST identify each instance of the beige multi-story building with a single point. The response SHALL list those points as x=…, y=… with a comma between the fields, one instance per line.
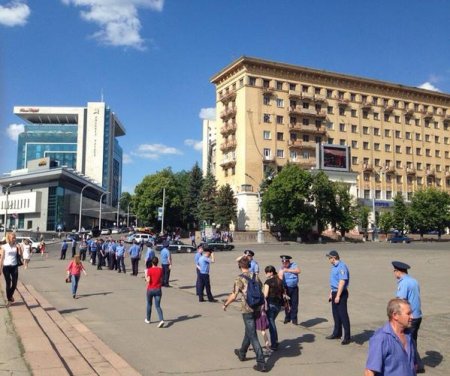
x=269, y=114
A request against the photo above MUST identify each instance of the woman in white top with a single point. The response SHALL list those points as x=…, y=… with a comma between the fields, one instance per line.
x=26, y=253
x=8, y=264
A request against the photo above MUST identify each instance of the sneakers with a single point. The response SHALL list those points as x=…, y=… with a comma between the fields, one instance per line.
x=161, y=324
x=147, y=321
x=241, y=357
x=260, y=367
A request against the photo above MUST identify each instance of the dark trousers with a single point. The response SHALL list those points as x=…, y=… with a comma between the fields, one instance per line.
x=93, y=257
x=107, y=260
x=82, y=254
x=63, y=254
x=205, y=283
x=340, y=315
x=121, y=263
x=166, y=274
x=112, y=261
x=100, y=261
x=250, y=337
x=272, y=314
x=291, y=314
x=11, y=273
x=197, y=283
x=74, y=251
x=134, y=265
x=414, y=331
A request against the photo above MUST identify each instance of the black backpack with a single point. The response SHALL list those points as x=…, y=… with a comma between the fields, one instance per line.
x=255, y=296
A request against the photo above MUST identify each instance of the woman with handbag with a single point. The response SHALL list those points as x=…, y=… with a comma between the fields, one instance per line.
x=10, y=260
x=74, y=273
x=273, y=292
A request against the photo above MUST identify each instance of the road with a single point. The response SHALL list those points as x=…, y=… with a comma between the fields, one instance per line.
x=200, y=337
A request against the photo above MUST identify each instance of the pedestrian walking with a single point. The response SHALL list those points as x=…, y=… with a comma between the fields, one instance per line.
x=203, y=266
x=288, y=273
x=26, y=253
x=166, y=262
x=64, y=247
x=74, y=247
x=74, y=270
x=392, y=351
x=192, y=237
x=135, y=255
x=339, y=282
x=154, y=278
x=83, y=249
x=11, y=252
x=249, y=314
x=273, y=292
x=408, y=288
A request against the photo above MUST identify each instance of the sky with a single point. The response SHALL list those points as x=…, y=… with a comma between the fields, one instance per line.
x=152, y=60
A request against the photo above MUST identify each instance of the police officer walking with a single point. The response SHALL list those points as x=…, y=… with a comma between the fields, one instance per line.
x=339, y=281
x=288, y=273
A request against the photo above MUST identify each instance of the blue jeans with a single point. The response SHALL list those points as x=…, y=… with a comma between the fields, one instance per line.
x=250, y=336
x=75, y=280
x=154, y=293
x=272, y=314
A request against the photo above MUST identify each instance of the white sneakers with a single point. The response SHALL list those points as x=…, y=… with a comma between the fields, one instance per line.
x=146, y=321
x=161, y=324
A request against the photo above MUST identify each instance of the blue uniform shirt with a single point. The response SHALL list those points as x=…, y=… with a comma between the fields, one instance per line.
x=120, y=250
x=388, y=357
x=254, y=267
x=149, y=254
x=64, y=246
x=165, y=254
x=338, y=272
x=204, y=263
x=93, y=246
x=134, y=251
x=408, y=288
x=197, y=257
x=290, y=279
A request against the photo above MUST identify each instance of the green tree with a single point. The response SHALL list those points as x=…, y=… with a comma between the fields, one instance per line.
x=192, y=198
x=288, y=200
x=344, y=211
x=429, y=211
x=323, y=194
x=400, y=213
x=207, y=202
x=385, y=222
x=226, y=207
x=125, y=200
x=362, y=215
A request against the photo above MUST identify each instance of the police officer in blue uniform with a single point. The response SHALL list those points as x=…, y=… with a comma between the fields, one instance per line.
x=339, y=281
x=288, y=273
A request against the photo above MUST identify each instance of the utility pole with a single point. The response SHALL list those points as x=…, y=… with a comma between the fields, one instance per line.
x=163, y=207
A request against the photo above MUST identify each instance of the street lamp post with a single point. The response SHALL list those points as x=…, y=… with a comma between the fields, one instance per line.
x=81, y=205
x=100, y=211
x=6, y=192
x=260, y=235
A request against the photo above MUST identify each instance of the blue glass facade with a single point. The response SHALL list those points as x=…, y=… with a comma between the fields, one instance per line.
x=58, y=142
x=106, y=147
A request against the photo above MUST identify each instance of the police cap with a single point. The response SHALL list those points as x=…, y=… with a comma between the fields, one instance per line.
x=285, y=258
x=400, y=265
x=249, y=252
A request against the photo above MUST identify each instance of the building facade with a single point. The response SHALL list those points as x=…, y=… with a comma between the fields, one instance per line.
x=269, y=114
x=209, y=146
x=82, y=138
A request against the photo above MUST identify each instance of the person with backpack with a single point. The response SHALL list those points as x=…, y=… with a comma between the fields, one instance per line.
x=250, y=287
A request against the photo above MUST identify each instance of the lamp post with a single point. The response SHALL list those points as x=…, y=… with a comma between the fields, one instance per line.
x=374, y=213
x=81, y=205
x=6, y=190
x=260, y=235
x=100, y=211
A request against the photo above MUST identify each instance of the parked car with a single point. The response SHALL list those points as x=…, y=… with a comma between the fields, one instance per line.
x=218, y=245
x=105, y=231
x=138, y=237
x=73, y=235
x=115, y=230
x=35, y=244
x=400, y=239
x=177, y=247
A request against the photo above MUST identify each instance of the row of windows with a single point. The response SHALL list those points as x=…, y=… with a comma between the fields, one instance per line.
x=16, y=203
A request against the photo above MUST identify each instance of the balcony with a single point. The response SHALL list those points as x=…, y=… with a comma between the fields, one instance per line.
x=410, y=171
x=427, y=114
x=228, y=96
x=268, y=158
x=447, y=173
x=295, y=143
x=307, y=96
x=294, y=94
x=309, y=144
x=314, y=129
x=447, y=116
x=295, y=126
x=228, y=145
x=228, y=129
x=389, y=169
x=409, y=112
x=366, y=105
x=367, y=167
x=228, y=162
x=305, y=163
x=430, y=172
x=388, y=109
x=320, y=98
x=298, y=110
x=321, y=114
x=268, y=90
x=228, y=112
x=343, y=101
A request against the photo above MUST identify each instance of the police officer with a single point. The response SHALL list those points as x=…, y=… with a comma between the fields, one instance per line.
x=254, y=266
x=339, y=281
x=288, y=273
x=408, y=288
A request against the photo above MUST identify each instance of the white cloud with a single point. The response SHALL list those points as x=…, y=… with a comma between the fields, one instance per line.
x=207, y=113
x=15, y=13
x=126, y=159
x=14, y=130
x=428, y=86
x=197, y=145
x=154, y=151
x=118, y=19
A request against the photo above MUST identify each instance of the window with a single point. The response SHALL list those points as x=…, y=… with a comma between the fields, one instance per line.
x=365, y=145
x=279, y=119
x=293, y=154
x=353, y=97
x=398, y=134
x=417, y=122
x=318, y=123
x=292, y=86
x=419, y=180
x=280, y=102
x=340, y=94
x=398, y=149
x=279, y=85
x=367, y=194
x=266, y=118
x=375, y=100
x=427, y=138
x=266, y=135
x=446, y=154
x=366, y=177
x=342, y=111
x=419, y=166
x=428, y=152
x=305, y=105
x=342, y=142
x=252, y=81
x=387, y=133
x=292, y=103
x=354, y=144
x=386, y=117
x=365, y=114
x=378, y=194
x=305, y=155
x=329, y=93
x=376, y=116
x=330, y=125
x=266, y=83
x=377, y=162
x=305, y=121
x=397, y=119
x=330, y=109
x=387, y=147
x=353, y=113
x=354, y=128
x=305, y=88
x=342, y=127
x=398, y=164
x=388, y=195
x=438, y=168
x=376, y=146
x=418, y=137
x=241, y=82
x=330, y=140
x=354, y=160
x=280, y=153
x=318, y=107
x=305, y=137
x=267, y=153
x=446, y=140
x=266, y=100
x=376, y=131
x=436, y=140
x=418, y=151
x=366, y=130
x=408, y=135
x=293, y=120
x=280, y=136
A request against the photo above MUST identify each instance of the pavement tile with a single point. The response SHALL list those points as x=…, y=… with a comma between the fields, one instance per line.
x=43, y=359
x=60, y=371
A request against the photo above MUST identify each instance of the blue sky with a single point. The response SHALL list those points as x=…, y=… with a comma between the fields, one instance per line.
x=153, y=59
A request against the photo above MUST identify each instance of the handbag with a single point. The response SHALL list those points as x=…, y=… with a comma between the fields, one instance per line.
x=19, y=259
x=69, y=279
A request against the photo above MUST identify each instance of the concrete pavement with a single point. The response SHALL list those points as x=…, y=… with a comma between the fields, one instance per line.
x=200, y=337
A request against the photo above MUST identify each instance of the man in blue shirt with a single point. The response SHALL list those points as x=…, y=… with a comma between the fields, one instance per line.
x=135, y=256
x=149, y=255
x=93, y=246
x=408, y=288
x=120, y=257
x=254, y=266
x=197, y=256
x=203, y=266
x=64, y=247
x=288, y=273
x=166, y=262
x=339, y=281
x=392, y=350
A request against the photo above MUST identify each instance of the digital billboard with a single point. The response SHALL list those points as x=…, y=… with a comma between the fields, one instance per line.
x=334, y=157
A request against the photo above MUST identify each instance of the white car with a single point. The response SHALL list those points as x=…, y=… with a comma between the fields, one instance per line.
x=35, y=244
